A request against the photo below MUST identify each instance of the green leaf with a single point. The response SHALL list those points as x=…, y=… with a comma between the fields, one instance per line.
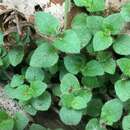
x=84, y=36
x=111, y=112
x=126, y=122
x=43, y=102
x=38, y=87
x=125, y=11
x=3, y=116
x=1, y=38
x=93, y=68
x=34, y=73
x=79, y=103
x=66, y=100
x=46, y=23
x=124, y=65
x=69, y=42
x=122, y=45
x=7, y=124
x=30, y=109
x=23, y=92
x=54, y=69
x=107, y=62
x=74, y=63
x=122, y=88
x=103, y=56
x=6, y=62
x=17, y=80
x=109, y=66
x=113, y=23
x=70, y=116
x=94, y=107
x=94, y=23
x=16, y=56
x=101, y=41
x=37, y=127
x=92, y=5
x=79, y=27
x=81, y=2
x=21, y=121
x=79, y=21
x=91, y=82
x=95, y=5
x=69, y=83
x=93, y=124
x=11, y=92
x=77, y=100
x=44, y=56
x=81, y=99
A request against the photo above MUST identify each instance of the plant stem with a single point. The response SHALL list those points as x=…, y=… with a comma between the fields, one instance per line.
x=67, y=10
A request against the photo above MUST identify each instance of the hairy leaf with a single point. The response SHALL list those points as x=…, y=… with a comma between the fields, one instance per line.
x=93, y=68
x=70, y=116
x=46, y=23
x=113, y=23
x=34, y=73
x=122, y=45
x=43, y=102
x=126, y=122
x=38, y=87
x=93, y=124
x=101, y=41
x=94, y=23
x=111, y=112
x=69, y=42
x=17, y=80
x=74, y=63
x=122, y=88
x=124, y=65
x=44, y=56
x=16, y=56
x=21, y=121
x=69, y=83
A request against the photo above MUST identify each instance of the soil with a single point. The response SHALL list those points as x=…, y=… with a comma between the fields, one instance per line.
x=51, y=120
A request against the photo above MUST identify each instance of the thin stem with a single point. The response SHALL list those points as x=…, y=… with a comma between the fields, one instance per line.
x=67, y=10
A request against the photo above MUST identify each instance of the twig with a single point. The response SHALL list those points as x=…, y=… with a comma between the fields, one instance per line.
x=17, y=24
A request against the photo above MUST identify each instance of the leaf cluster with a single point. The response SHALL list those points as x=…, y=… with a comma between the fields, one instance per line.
x=84, y=70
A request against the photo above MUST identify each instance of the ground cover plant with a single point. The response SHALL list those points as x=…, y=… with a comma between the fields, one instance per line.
x=81, y=72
